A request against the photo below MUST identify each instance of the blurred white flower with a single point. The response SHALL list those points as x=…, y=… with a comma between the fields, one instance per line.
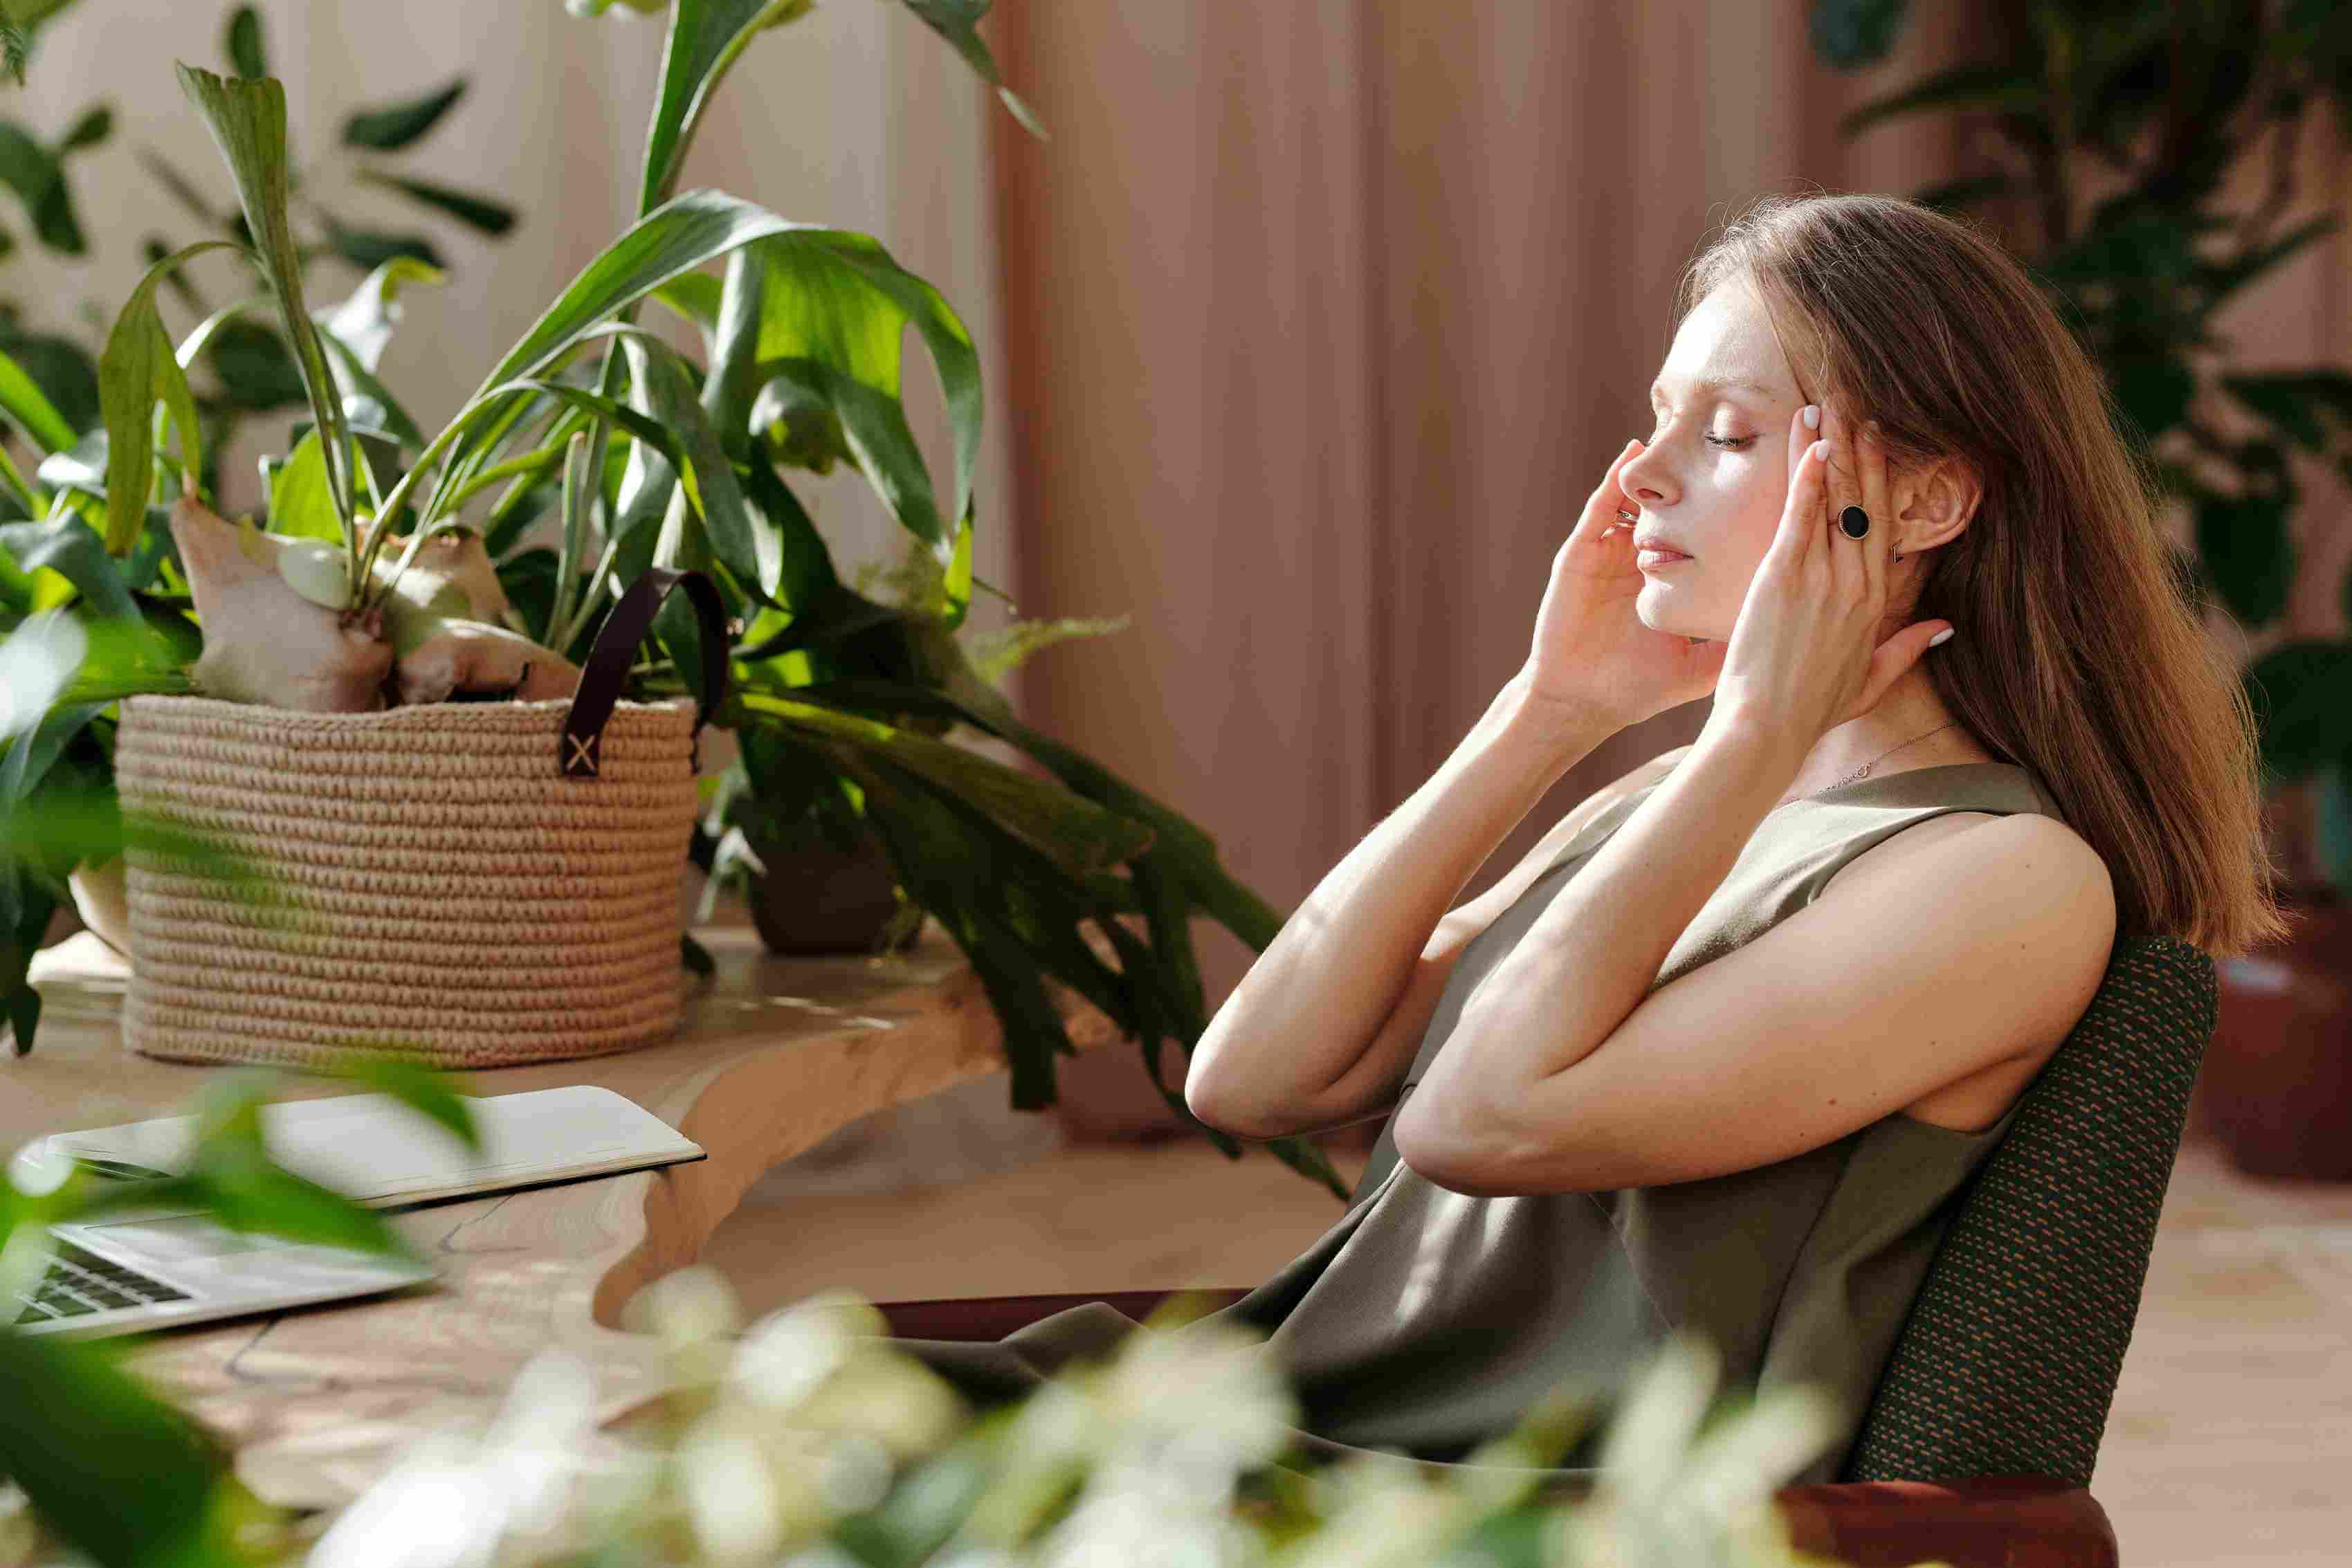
x=687, y=1306
x=436, y=1508
x=1135, y=1515
x=855, y=1474
x=1378, y=1515
x=454, y=1500
x=785, y=1355
x=1661, y=1408
x=1209, y=1388
x=728, y=1494
x=39, y=1168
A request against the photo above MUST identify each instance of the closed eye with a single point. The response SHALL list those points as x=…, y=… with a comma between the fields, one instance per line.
x=1734, y=442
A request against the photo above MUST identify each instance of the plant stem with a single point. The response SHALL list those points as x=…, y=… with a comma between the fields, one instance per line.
x=576, y=529
x=536, y=462
x=32, y=499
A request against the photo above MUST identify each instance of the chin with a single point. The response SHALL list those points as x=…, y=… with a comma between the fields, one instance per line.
x=1677, y=626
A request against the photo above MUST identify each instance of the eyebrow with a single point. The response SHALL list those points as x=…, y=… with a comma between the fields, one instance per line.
x=1730, y=383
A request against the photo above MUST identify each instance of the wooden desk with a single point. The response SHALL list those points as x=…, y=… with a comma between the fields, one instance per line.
x=775, y=1054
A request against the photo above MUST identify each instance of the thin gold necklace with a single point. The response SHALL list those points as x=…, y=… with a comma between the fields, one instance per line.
x=1864, y=771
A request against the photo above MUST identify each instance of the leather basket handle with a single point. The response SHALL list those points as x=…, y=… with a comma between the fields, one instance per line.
x=616, y=646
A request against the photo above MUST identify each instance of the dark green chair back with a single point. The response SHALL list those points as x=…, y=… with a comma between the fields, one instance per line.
x=2007, y=1361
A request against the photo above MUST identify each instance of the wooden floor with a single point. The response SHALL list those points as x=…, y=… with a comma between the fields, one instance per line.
x=2230, y=1441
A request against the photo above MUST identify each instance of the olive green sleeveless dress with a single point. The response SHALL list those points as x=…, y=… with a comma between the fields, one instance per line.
x=1425, y=1321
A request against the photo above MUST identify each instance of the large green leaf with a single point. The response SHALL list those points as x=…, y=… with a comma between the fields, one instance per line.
x=834, y=308
x=675, y=238
x=952, y=875
x=1851, y=34
x=1016, y=917
x=2221, y=279
x=368, y=248
x=301, y=506
x=121, y=1475
x=2296, y=400
x=2247, y=554
x=232, y=1173
x=680, y=235
x=499, y=401
x=242, y=43
x=65, y=544
x=95, y=126
x=489, y=215
x=1075, y=833
x=750, y=551
x=137, y=367
x=23, y=401
x=428, y=1092
x=257, y=371
x=958, y=21
x=1188, y=852
x=696, y=296
x=62, y=369
x=395, y=126
x=364, y=321
x=706, y=36
x=368, y=403
x=1998, y=85
x=247, y=119
x=38, y=178
x=2301, y=692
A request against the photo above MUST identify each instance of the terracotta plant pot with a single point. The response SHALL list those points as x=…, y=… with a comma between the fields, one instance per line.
x=815, y=899
x=2276, y=1086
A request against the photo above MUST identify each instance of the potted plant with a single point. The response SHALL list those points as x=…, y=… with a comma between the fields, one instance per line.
x=246, y=368
x=2109, y=134
x=815, y=877
x=658, y=460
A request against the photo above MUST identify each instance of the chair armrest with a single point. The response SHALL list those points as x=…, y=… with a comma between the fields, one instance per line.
x=1980, y=1521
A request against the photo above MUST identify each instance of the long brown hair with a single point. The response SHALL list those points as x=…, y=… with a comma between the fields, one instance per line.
x=2080, y=654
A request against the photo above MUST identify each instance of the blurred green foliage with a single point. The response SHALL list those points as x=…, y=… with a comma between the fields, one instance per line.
x=2165, y=105
x=246, y=369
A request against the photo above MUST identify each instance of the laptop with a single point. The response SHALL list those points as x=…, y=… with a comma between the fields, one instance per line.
x=133, y=1270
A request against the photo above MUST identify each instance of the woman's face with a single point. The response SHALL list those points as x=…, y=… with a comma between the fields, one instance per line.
x=1713, y=476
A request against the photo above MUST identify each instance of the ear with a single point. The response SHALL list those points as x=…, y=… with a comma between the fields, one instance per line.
x=1936, y=502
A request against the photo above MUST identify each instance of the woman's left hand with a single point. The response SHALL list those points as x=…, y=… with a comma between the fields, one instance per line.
x=1804, y=655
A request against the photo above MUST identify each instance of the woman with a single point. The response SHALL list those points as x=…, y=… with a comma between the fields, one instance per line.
x=1714, y=1055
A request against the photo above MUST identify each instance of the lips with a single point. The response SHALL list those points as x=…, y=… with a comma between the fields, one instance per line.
x=1661, y=548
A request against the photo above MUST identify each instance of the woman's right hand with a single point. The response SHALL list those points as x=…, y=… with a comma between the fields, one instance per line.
x=1590, y=651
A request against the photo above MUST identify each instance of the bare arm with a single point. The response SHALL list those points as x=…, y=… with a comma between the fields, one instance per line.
x=1323, y=1028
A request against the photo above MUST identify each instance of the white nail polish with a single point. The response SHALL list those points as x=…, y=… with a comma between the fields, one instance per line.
x=1812, y=416
x=1939, y=636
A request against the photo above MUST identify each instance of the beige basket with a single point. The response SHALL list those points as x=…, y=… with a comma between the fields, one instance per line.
x=438, y=883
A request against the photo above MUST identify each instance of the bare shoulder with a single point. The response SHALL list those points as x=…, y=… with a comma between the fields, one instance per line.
x=2046, y=842
x=2068, y=952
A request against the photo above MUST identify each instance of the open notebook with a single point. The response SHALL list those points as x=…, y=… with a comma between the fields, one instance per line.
x=378, y=1151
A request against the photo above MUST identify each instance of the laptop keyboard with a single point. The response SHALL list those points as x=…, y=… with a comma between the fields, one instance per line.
x=80, y=1282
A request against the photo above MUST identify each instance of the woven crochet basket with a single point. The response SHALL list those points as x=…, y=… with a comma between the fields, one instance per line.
x=467, y=884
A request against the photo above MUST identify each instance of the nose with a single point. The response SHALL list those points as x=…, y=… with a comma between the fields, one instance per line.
x=1645, y=478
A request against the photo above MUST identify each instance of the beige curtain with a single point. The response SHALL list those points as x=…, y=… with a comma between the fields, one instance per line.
x=1325, y=317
